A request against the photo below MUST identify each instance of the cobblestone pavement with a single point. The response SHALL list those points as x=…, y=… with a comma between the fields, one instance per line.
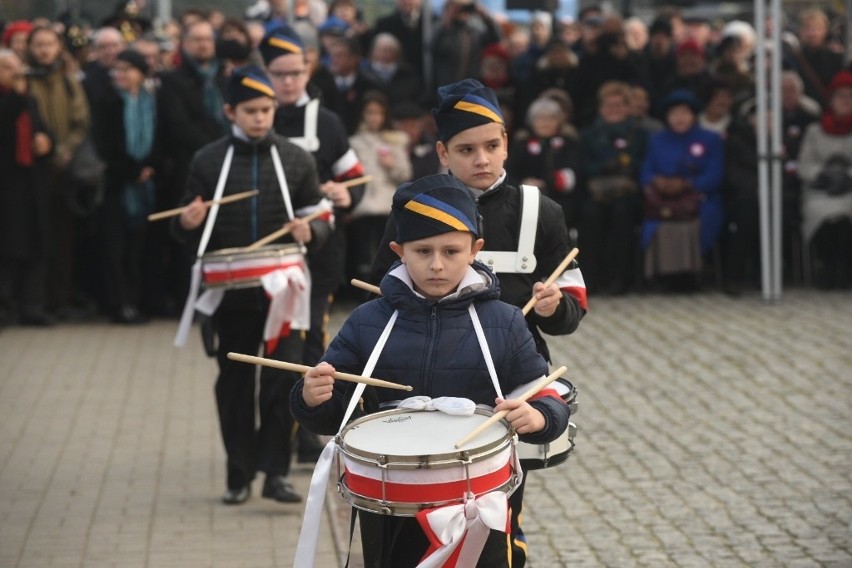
x=712, y=432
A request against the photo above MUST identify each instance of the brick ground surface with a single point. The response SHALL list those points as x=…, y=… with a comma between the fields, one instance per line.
x=712, y=432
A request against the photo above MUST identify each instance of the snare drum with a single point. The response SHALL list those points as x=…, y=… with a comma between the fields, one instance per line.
x=238, y=268
x=541, y=456
x=398, y=462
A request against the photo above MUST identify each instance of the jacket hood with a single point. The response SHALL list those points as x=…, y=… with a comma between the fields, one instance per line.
x=478, y=284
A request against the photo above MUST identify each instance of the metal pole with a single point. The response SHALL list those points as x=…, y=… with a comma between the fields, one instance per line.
x=164, y=11
x=777, y=140
x=426, y=19
x=762, y=146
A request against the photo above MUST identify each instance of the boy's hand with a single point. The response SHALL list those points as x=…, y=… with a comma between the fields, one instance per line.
x=547, y=299
x=301, y=230
x=338, y=193
x=194, y=214
x=319, y=384
x=523, y=417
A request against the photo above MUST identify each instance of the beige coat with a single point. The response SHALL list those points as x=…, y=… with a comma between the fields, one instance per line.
x=64, y=109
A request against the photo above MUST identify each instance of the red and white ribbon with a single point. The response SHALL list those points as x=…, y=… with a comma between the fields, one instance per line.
x=289, y=303
x=457, y=533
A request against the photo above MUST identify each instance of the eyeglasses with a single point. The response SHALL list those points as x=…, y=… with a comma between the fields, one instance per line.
x=283, y=75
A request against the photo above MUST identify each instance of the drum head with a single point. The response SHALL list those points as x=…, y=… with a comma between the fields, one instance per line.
x=409, y=435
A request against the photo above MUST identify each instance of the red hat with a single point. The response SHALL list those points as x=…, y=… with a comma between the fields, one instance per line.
x=17, y=27
x=689, y=46
x=842, y=79
x=496, y=50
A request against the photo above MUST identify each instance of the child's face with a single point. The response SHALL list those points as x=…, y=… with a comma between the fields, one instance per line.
x=253, y=116
x=437, y=264
x=476, y=155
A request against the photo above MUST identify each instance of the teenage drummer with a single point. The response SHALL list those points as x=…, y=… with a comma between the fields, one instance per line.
x=243, y=161
x=432, y=347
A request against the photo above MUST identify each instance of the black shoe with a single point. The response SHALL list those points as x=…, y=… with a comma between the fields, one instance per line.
x=276, y=487
x=236, y=496
x=38, y=318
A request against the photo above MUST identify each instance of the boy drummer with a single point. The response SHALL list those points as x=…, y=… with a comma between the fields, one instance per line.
x=433, y=347
x=241, y=316
x=473, y=145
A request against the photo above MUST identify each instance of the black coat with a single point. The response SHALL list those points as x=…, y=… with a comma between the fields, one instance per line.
x=25, y=196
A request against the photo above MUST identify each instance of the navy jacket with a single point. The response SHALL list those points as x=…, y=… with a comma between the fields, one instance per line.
x=433, y=348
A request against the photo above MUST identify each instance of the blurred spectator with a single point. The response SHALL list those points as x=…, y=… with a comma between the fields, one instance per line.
x=683, y=212
x=384, y=153
x=690, y=73
x=15, y=36
x=825, y=167
x=659, y=55
x=547, y=155
x=697, y=28
x=123, y=129
x=415, y=121
x=729, y=66
x=62, y=105
x=351, y=79
x=127, y=18
x=718, y=99
x=817, y=63
x=540, y=35
x=347, y=11
x=591, y=19
x=216, y=18
x=494, y=74
x=640, y=107
x=610, y=60
x=149, y=48
x=385, y=61
x=405, y=23
x=107, y=44
x=557, y=68
x=25, y=200
x=635, y=34
x=465, y=30
x=613, y=150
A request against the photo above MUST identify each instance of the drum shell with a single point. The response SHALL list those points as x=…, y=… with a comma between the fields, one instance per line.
x=236, y=268
x=542, y=456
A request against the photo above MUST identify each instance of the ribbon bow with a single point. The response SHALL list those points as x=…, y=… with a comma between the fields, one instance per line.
x=457, y=533
x=447, y=404
x=289, y=306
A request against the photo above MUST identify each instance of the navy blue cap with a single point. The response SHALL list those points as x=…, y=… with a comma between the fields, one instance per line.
x=682, y=97
x=433, y=205
x=248, y=82
x=280, y=40
x=465, y=104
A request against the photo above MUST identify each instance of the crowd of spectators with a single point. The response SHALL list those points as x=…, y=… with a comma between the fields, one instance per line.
x=644, y=132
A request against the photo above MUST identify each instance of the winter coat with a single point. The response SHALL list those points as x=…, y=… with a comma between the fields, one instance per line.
x=818, y=206
x=379, y=193
x=433, y=347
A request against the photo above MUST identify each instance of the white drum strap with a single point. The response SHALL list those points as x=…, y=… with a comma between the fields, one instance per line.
x=486, y=352
x=523, y=260
x=306, y=549
x=309, y=140
x=282, y=181
x=195, y=283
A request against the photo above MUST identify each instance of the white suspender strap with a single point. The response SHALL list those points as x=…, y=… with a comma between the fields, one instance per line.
x=309, y=140
x=214, y=209
x=486, y=352
x=523, y=260
x=282, y=181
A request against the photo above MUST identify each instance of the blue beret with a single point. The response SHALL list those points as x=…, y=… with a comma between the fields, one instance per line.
x=464, y=105
x=433, y=205
x=681, y=97
x=280, y=40
x=248, y=82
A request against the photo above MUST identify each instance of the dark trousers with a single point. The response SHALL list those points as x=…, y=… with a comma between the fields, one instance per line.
x=22, y=283
x=608, y=241
x=123, y=248
x=399, y=542
x=268, y=448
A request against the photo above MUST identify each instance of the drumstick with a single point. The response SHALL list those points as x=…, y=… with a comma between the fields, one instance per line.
x=552, y=278
x=499, y=416
x=356, y=181
x=227, y=199
x=366, y=286
x=282, y=231
x=304, y=369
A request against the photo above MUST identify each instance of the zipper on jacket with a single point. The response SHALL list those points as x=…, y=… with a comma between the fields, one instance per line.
x=256, y=198
x=429, y=363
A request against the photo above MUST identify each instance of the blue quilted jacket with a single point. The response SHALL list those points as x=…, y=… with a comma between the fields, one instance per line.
x=433, y=347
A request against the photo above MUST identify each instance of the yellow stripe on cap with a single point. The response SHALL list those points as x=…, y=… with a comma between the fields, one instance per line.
x=480, y=110
x=257, y=86
x=437, y=214
x=284, y=44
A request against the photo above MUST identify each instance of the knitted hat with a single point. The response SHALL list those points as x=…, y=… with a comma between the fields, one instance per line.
x=681, y=97
x=689, y=46
x=280, y=40
x=433, y=205
x=16, y=27
x=464, y=105
x=840, y=80
x=134, y=58
x=248, y=82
